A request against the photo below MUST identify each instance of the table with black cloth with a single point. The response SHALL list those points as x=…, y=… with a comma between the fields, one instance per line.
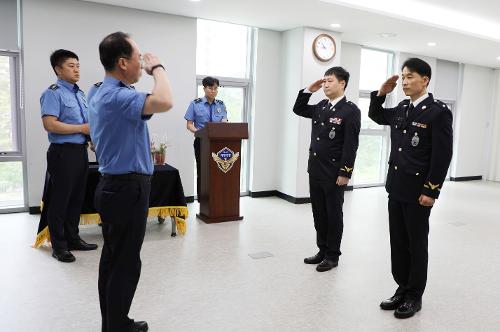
x=166, y=200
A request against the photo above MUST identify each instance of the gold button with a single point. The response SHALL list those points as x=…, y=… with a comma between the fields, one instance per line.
x=396, y=167
x=400, y=149
x=404, y=131
x=315, y=121
x=322, y=123
x=333, y=159
x=317, y=138
x=314, y=153
x=417, y=174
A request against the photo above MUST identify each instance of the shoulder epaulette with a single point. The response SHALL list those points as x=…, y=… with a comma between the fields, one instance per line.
x=440, y=103
x=219, y=101
x=98, y=84
x=197, y=100
x=54, y=87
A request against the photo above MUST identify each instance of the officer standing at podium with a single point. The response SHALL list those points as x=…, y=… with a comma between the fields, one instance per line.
x=335, y=130
x=201, y=111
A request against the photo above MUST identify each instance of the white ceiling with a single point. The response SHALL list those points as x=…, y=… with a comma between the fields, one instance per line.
x=360, y=26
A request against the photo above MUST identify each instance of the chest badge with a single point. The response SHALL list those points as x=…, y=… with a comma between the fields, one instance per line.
x=218, y=110
x=336, y=121
x=415, y=140
x=331, y=134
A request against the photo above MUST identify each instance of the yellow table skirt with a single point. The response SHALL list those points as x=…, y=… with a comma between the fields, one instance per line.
x=180, y=213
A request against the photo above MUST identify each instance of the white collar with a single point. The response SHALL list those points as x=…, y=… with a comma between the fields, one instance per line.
x=336, y=100
x=419, y=100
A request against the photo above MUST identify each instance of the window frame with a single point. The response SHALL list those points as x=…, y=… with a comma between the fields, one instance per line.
x=18, y=126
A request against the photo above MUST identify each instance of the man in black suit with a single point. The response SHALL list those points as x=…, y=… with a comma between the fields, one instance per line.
x=334, y=141
x=421, y=150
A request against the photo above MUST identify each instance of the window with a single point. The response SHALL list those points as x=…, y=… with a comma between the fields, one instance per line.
x=376, y=67
x=230, y=62
x=11, y=158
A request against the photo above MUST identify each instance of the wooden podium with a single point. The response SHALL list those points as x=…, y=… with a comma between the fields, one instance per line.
x=220, y=155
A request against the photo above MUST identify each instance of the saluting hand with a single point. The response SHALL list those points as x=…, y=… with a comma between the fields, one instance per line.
x=316, y=85
x=150, y=61
x=426, y=200
x=342, y=181
x=388, y=85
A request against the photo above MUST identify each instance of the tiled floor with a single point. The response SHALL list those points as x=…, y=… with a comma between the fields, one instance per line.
x=206, y=280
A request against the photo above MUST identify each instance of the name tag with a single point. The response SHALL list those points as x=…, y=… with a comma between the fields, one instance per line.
x=419, y=125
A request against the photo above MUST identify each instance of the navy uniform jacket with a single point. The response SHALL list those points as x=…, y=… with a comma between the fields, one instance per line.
x=421, y=146
x=334, y=136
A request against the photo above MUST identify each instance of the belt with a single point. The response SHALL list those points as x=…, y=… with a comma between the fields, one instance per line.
x=128, y=176
x=70, y=145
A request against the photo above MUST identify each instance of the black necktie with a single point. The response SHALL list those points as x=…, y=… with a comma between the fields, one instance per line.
x=410, y=108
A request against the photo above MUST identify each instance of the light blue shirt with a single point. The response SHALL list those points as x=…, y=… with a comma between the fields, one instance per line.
x=67, y=103
x=118, y=128
x=200, y=109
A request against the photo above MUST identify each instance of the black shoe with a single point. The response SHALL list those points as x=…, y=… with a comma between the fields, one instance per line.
x=316, y=259
x=63, y=255
x=408, y=308
x=392, y=303
x=327, y=264
x=140, y=326
x=82, y=245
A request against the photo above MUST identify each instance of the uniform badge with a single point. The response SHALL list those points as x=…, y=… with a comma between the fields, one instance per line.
x=217, y=110
x=225, y=159
x=336, y=121
x=331, y=135
x=415, y=140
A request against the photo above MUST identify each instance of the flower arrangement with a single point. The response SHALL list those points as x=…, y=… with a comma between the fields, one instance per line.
x=158, y=153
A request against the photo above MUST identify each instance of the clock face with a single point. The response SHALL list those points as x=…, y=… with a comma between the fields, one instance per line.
x=324, y=47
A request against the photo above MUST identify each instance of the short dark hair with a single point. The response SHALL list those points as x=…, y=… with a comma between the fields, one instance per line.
x=113, y=47
x=58, y=57
x=340, y=73
x=419, y=66
x=209, y=81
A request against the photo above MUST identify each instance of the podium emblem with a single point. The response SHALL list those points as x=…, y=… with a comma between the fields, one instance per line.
x=225, y=159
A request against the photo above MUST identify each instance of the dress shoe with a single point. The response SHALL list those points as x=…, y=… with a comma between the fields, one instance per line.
x=408, y=308
x=140, y=326
x=63, y=255
x=392, y=303
x=82, y=245
x=316, y=259
x=327, y=264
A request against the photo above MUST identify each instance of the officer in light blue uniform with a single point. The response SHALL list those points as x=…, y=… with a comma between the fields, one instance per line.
x=65, y=116
x=201, y=111
x=118, y=117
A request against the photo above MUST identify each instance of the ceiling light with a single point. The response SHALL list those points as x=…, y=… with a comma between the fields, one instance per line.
x=387, y=35
x=429, y=14
x=431, y=44
x=195, y=0
x=498, y=58
x=335, y=25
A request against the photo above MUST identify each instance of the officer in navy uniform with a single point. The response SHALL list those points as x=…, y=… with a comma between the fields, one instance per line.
x=65, y=116
x=335, y=130
x=421, y=150
x=201, y=111
x=118, y=117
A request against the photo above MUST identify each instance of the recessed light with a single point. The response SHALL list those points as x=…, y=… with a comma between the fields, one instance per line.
x=194, y=0
x=335, y=25
x=498, y=58
x=432, y=44
x=387, y=35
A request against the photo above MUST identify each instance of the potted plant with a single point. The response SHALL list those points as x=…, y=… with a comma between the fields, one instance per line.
x=159, y=155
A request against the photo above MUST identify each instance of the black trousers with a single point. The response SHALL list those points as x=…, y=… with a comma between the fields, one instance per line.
x=196, y=145
x=327, y=199
x=67, y=165
x=409, y=230
x=122, y=202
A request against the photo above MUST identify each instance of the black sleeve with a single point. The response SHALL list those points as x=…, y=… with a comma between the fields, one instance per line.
x=442, y=150
x=351, y=142
x=379, y=114
x=301, y=107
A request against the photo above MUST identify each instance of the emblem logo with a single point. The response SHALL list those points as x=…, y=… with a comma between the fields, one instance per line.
x=225, y=159
x=415, y=140
x=331, y=135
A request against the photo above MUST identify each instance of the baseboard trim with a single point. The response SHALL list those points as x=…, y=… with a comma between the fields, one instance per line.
x=291, y=199
x=34, y=210
x=466, y=178
x=258, y=194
